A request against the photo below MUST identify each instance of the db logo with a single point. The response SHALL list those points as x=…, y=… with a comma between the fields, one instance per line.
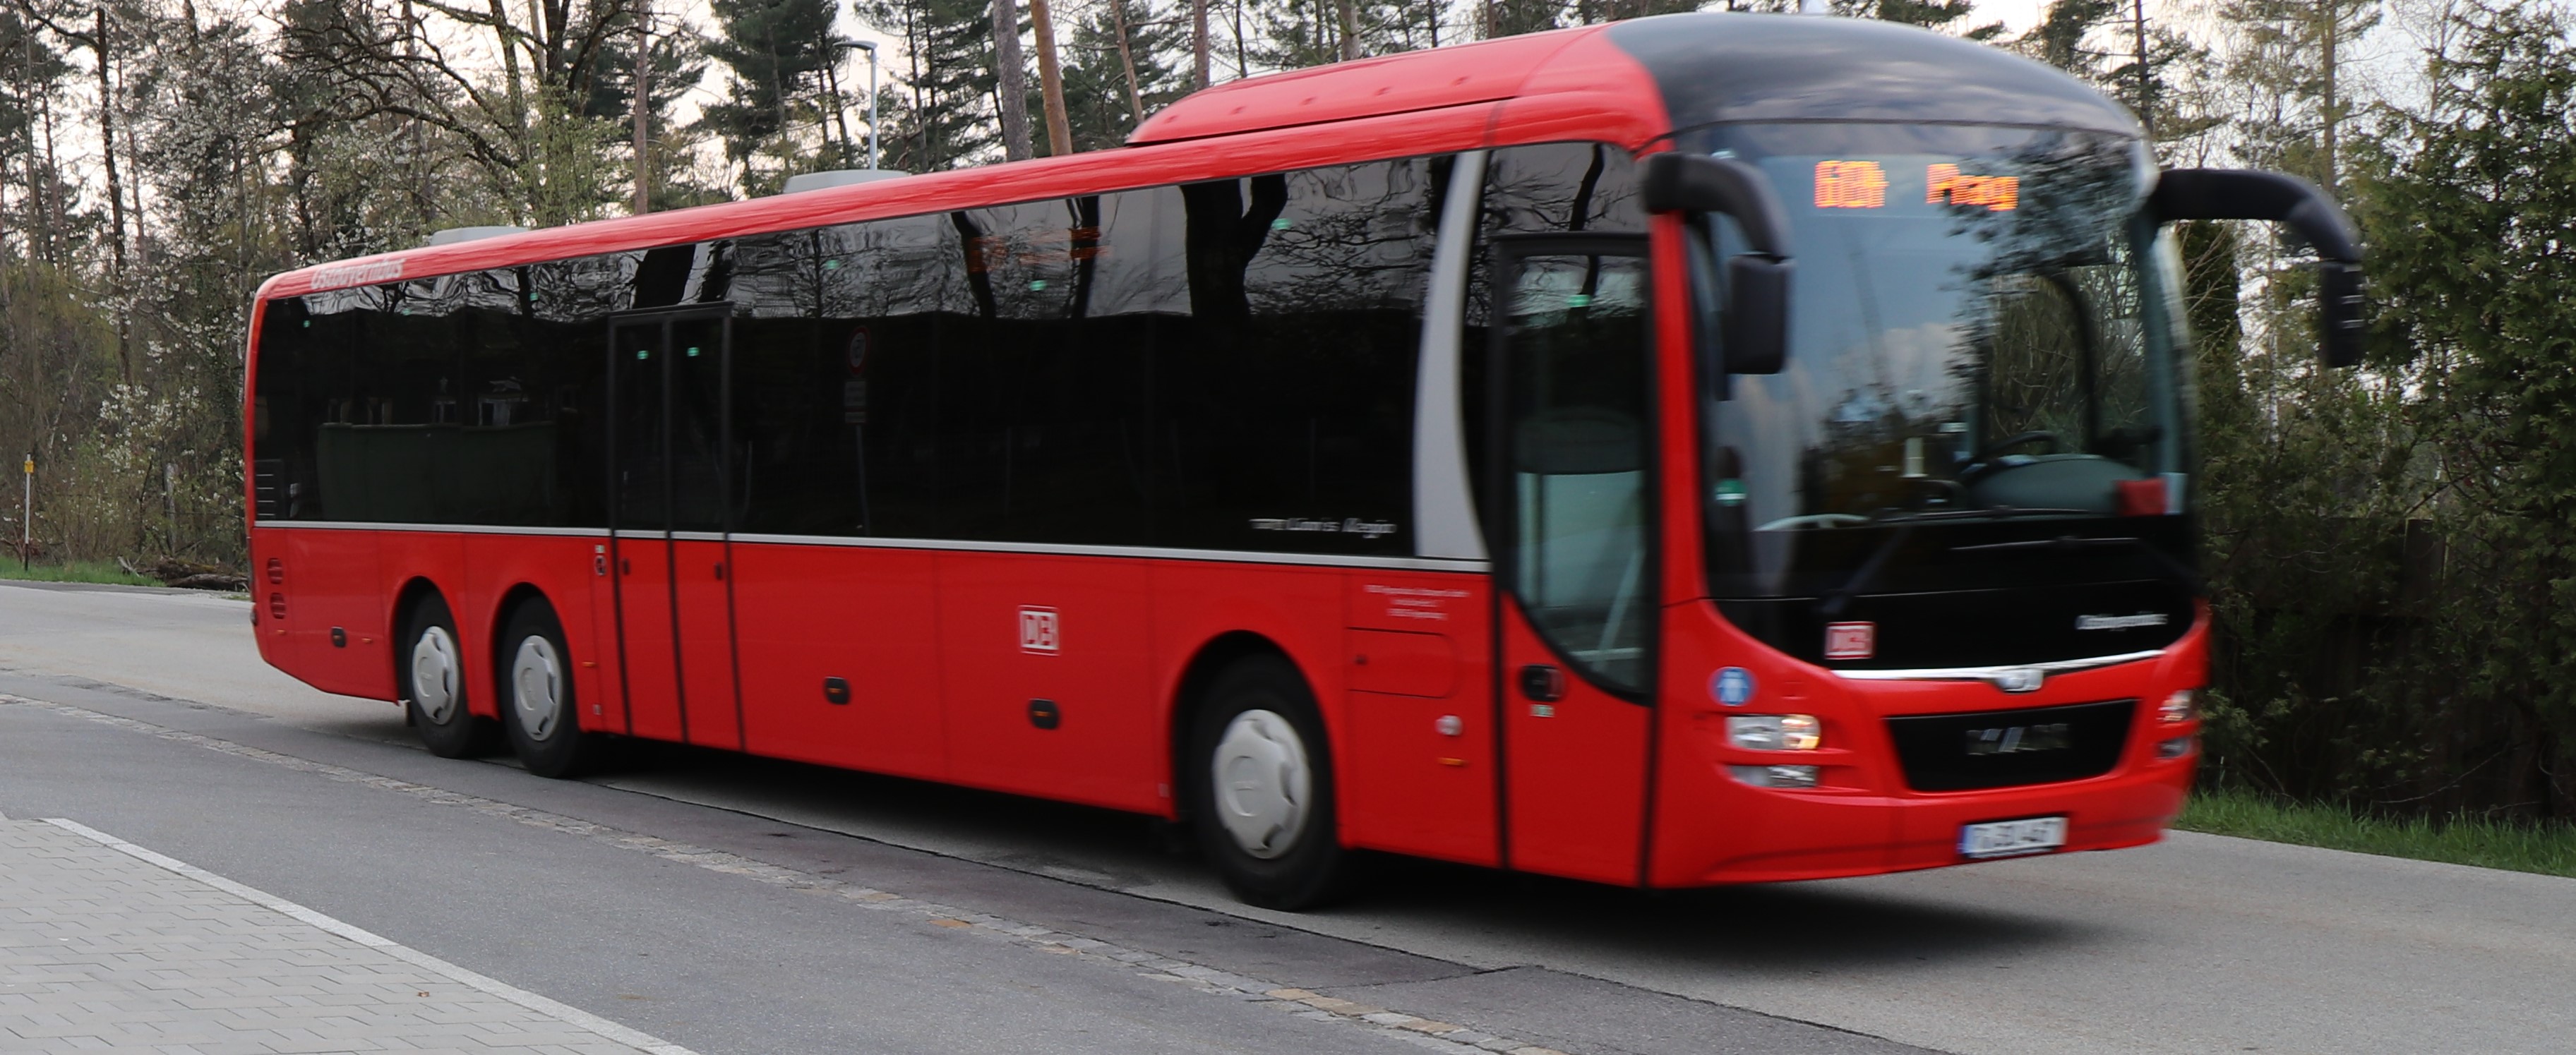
x=1037, y=630
x=1851, y=640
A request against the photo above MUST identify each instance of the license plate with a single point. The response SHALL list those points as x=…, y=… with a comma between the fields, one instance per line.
x=2010, y=838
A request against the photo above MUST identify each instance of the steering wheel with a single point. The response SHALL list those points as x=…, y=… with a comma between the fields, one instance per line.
x=2055, y=443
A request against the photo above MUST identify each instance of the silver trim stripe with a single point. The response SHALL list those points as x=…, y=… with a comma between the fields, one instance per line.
x=2062, y=666
x=1444, y=516
x=460, y=529
x=1145, y=552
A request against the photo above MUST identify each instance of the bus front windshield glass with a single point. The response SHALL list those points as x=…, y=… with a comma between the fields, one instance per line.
x=1980, y=351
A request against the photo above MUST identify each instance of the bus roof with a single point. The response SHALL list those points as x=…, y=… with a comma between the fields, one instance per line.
x=1591, y=82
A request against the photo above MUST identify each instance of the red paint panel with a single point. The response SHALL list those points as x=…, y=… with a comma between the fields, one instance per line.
x=704, y=601
x=1103, y=750
x=1452, y=76
x=865, y=615
x=1415, y=786
x=1574, y=774
x=646, y=651
x=329, y=581
x=1418, y=773
x=1403, y=664
x=595, y=638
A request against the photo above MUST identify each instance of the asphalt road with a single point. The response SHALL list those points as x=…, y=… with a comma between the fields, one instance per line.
x=179, y=739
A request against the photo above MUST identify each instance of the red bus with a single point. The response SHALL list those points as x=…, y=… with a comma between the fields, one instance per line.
x=1702, y=449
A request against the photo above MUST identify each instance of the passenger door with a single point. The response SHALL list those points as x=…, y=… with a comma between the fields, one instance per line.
x=669, y=475
x=1569, y=472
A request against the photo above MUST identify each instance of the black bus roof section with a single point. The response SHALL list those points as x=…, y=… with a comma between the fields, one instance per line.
x=1719, y=68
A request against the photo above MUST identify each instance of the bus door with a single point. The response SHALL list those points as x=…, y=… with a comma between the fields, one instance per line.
x=668, y=475
x=1569, y=504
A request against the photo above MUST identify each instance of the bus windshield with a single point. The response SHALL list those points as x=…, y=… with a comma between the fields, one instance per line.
x=1982, y=352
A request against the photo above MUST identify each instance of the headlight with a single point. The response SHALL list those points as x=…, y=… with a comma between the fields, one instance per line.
x=2178, y=708
x=1775, y=732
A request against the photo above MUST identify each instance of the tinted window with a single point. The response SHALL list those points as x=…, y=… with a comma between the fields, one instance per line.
x=1227, y=365
x=462, y=399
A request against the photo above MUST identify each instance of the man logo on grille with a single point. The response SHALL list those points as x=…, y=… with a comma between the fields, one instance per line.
x=2019, y=739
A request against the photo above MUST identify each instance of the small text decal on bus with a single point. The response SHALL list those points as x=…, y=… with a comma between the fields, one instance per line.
x=1851, y=640
x=339, y=275
x=1037, y=630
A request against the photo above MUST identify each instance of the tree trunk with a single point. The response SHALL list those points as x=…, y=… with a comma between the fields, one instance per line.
x=1350, y=29
x=1127, y=59
x=1011, y=81
x=2333, y=115
x=1198, y=44
x=1051, y=81
x=115, y=196
x=643, y=107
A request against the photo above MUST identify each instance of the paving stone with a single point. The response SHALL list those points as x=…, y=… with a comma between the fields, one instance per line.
x=101, y=950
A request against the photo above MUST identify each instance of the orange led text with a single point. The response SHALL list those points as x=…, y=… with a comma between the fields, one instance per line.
x=1850, y=185
x=1946, y=184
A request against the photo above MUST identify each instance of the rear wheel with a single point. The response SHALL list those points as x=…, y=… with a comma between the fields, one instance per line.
x=1260, y=778
x=432, y=679
x=538, y=707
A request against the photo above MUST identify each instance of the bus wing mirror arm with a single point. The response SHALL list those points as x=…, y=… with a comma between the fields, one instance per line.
x=1757, y=283
x=2303, y=207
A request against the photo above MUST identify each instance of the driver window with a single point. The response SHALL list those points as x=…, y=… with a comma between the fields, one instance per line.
x=1576, y=429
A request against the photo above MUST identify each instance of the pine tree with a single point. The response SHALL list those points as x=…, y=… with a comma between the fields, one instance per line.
x=1100, y=100
x=776, y=51
x=947, y=115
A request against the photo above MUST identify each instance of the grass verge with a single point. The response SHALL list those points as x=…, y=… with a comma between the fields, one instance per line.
x=2548, y=850
x=104, y=571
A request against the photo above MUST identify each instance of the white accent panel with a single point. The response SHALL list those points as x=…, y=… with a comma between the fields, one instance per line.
x=1444, y=510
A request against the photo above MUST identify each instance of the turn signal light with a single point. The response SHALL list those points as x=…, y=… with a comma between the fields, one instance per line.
x=1775, y=776
x=2179, y=708
x=2174, y=748
x=1775, y=732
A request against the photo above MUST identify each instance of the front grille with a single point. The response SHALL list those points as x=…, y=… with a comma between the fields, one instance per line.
x=2002, y=749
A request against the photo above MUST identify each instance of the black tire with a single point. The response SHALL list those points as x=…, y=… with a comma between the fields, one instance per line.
x=538, y=706
x=433, y=685
x=1306, y=865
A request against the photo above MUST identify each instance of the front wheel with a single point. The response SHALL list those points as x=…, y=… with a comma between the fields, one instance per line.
x=1260, y=781
x=538, y=707
x=433, y=683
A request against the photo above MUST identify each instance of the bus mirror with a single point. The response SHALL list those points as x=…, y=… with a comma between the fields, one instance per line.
x=1757, y=283
x=2303, y=207
x=1677, y=182
x=1757, y=314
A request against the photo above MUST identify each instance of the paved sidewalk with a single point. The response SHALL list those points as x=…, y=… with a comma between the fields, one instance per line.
x=109, y=947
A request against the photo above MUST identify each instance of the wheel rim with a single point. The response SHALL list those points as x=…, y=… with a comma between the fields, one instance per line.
x=433, y=675
x=1263, y=783
x=536, y=680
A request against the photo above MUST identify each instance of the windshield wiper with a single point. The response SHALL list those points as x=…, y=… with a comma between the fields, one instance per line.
x=2177, y=570
x=1832, y=605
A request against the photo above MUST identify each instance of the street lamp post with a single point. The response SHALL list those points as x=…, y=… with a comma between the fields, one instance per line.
x=870, y=47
